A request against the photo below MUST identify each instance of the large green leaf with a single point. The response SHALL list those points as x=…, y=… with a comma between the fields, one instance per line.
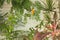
x=17, y=3
x=27, y=5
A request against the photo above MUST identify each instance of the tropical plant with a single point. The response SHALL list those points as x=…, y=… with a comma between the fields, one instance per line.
x=49, y=20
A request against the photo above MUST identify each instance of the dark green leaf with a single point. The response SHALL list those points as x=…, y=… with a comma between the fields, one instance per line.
x=49, y=4
x=27, y=5
x=1, y=2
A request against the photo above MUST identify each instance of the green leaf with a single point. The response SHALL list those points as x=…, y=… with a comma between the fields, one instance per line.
x=8, y=1
x=1, y=2
x=17, y=3
x=28, y=15
x=49, y=4
x=47, y=17
x=41, y=23
x=39, y=5
x=27, y=5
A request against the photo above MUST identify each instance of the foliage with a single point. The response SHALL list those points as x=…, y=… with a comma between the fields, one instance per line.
x=16, y=15
x=48, y=6
x=1, y=2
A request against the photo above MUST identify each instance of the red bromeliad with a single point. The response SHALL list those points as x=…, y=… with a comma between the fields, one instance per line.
x=55, y=32
x=53, y=26
x=40, y=35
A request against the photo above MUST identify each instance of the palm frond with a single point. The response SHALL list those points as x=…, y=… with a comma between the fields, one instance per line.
x=49, y=4
x=39, y=5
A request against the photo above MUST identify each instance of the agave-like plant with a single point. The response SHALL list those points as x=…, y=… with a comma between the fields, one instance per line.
x=48, y=7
